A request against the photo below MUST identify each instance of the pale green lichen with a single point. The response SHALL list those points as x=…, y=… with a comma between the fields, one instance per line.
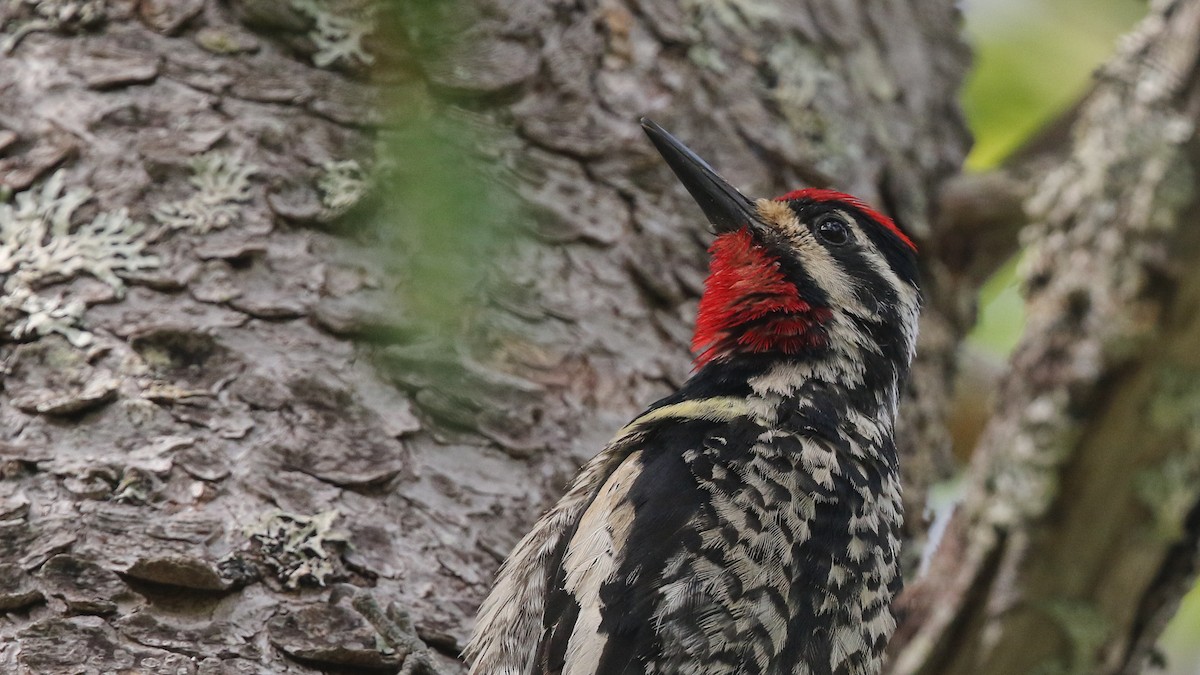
x=294, y=546
x=222, y=181
x=64, y=16
x=800, y=79
x=338, y=36
x=707, y=56
x=1086, y=630
x=1169, y=491
x=342, y=185
x=722, y=16
x=40, y=316
x=134, y=487
x=1169, y=488
x=40, y=246
x=1025, y=480
x=736, y=15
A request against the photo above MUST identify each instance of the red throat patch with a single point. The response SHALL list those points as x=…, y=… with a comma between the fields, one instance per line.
x=749, y=306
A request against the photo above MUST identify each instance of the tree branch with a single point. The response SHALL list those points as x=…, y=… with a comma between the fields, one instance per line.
x=980, y=215
x=1085, y=482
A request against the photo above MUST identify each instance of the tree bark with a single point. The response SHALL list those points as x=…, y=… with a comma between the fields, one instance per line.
x=1080, y=531
x=240, y=419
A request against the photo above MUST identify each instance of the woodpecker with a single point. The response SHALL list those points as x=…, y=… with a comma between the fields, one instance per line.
x=750, y=521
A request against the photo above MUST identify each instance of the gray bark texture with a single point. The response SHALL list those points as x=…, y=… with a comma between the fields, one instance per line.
x=232, y=439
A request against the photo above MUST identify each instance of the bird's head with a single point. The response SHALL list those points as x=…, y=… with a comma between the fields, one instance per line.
x=812, y=273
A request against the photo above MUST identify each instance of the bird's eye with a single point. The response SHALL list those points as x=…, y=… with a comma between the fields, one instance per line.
x=833, y=230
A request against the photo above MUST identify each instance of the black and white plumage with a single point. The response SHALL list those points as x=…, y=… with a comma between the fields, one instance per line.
x=749, y=522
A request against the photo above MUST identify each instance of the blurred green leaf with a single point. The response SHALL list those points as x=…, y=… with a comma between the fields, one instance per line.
x=447, y=215
x=1001, y=312
x=1179, y=640
x=1033, y=59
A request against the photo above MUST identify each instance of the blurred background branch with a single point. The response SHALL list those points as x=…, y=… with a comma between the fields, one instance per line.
x=1081, y=503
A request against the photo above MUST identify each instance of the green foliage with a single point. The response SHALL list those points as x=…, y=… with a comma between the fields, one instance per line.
x=448, y=216
x=1001, y=312
x=1033, y=59
x=1179, y=640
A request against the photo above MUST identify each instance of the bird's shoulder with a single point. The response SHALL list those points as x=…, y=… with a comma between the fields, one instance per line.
x=701, y=482
x=640, y=515
x=526, y=621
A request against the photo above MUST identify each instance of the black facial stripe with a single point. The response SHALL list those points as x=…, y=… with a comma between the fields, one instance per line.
x=895, y=252
x=898, y=255
x=805, y=284
x=871, y=289
x=874, y=292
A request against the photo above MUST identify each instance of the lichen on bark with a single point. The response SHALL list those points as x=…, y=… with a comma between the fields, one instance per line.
x=42, y=244
x=295, y=350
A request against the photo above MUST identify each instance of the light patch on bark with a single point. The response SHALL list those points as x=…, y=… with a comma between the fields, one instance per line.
x=222, y=183
x=40, y=245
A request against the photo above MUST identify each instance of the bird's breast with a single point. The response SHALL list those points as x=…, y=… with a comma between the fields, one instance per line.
x=799, y=544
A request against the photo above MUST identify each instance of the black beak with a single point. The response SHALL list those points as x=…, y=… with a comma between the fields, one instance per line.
x=726, y=208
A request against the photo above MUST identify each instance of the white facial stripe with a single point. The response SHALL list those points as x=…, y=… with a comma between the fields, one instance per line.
x=824, y=269
x=832, y=278
x=907, y=297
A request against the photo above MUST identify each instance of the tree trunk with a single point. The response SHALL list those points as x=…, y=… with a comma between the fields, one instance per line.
x=390, y=273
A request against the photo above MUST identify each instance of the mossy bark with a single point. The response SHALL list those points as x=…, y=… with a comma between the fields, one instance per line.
x=205, y=468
